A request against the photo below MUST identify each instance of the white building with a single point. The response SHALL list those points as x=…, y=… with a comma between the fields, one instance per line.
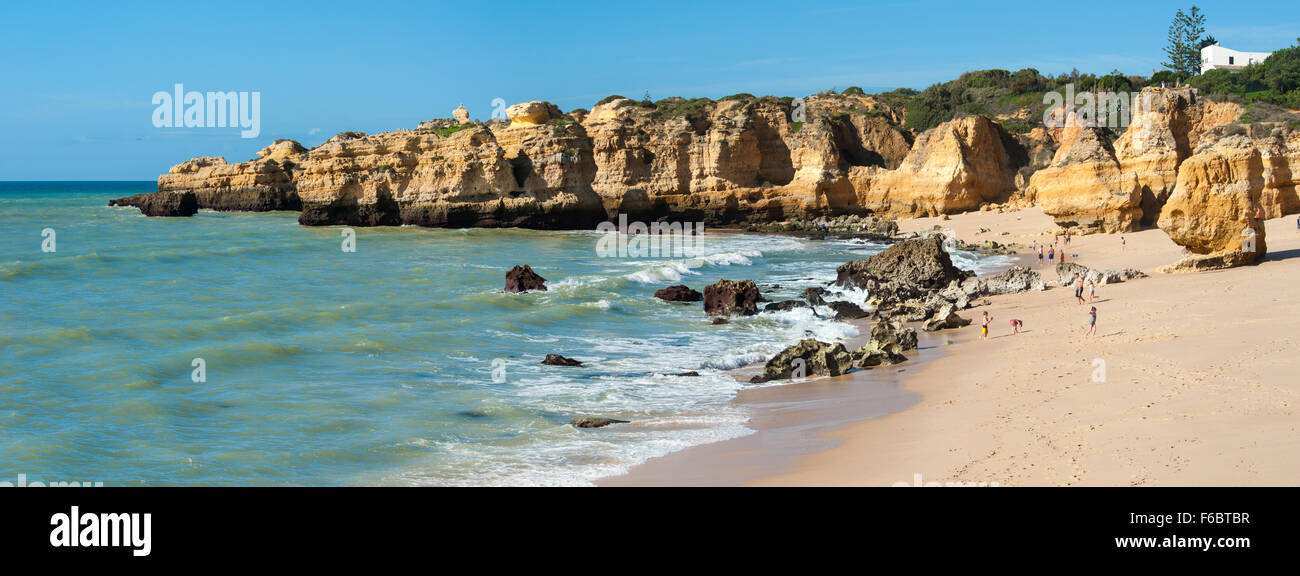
x=1216, y=57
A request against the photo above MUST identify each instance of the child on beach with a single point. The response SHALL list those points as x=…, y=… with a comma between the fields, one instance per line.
x=1016, y=325
x=984, y=329
x=1092, y=291
x=1092, y=322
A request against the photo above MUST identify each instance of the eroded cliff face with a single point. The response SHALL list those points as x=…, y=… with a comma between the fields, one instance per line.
x=1089, y=184
x=1165, y=128
x=1236, y=174
x=1084, y=187
x=744, y=160
x=955, y=167
x=735, y=161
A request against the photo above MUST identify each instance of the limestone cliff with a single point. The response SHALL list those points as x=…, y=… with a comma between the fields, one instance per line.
x=1166, y=126
x=738, y=160
x=955, y=167
x=1084, y=186
x=1236, y=173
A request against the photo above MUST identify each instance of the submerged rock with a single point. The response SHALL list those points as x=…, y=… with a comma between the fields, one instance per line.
x=557, y=360
x=814, y=295
x=807, y=358
x=523, y=279
x=785, y=305
x=847, y=310
x=594, y=422
x=728, y=297
x=679, y=293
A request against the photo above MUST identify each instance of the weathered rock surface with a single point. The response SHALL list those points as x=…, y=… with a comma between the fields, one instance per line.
x=728, y=297
x=523, y=279
x=955, y=167
x=1220, y=190
x=679, y=293
x=161, y=203
x=1012, y=281
x=259, y=185
x=807, y=358
x=944, y=319
x=1065, y=272
x=1084, y=187
x=1166, y=126
x=908, y=269
x=888, y=342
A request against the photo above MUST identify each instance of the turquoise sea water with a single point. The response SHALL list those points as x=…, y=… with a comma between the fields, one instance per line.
x=371, y=367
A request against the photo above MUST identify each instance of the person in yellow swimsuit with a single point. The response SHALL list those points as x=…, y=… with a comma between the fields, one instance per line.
x=984, y=329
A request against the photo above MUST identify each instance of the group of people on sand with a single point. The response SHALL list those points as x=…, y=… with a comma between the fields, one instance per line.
x=1079, y=283
x=1052, y=251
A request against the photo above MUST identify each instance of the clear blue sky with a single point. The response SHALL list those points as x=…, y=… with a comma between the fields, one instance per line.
x=79, y=76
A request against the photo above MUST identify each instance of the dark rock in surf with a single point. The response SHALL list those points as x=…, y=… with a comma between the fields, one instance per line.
x=557, y=360
x=594, y=422
x=847, y=310
x=728, y=297
x=785, y=305
x=679, y=293
x=523, y=279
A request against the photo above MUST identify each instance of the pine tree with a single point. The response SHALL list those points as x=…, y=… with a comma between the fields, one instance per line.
x=1184, y=42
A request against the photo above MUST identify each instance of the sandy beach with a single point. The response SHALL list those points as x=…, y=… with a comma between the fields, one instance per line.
x=1186, y=382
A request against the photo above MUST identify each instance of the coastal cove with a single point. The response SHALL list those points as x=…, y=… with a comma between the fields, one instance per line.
x=369, y=367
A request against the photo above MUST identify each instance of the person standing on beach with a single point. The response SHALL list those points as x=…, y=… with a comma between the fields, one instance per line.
x=1092, y=291
x=1124, y=243
x=1040, y=248
x=984, y=329
x=1092, y=322
x=1051, y=254
x=1078, y=287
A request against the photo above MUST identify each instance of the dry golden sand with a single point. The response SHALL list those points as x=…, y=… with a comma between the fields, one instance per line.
x=1199, y=387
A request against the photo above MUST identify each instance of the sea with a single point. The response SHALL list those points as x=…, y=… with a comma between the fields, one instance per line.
x=244, y=349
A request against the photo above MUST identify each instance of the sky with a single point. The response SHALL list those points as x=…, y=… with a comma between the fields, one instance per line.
x=79, y=77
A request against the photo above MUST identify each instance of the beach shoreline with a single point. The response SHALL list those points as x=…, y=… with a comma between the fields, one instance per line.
x=1054, y=408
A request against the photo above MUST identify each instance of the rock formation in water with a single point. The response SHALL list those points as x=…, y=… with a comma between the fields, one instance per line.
x=161, y=203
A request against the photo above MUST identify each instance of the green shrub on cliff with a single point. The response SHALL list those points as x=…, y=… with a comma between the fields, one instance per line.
x=610, y=98
x=693, y=110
